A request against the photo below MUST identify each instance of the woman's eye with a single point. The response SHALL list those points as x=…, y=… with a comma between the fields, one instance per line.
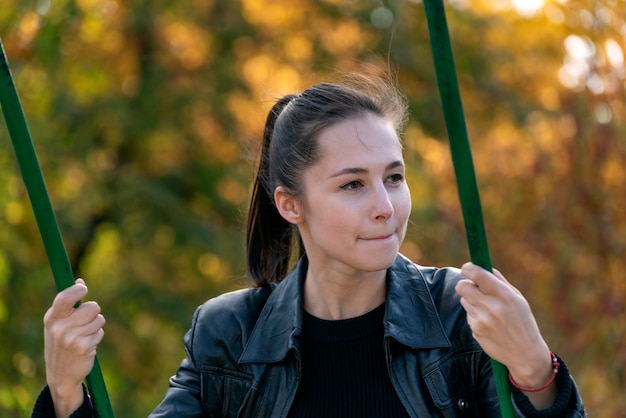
x=396, y=178
x=353, y=185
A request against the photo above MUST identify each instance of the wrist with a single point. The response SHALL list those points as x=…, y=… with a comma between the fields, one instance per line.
x=66, y=399
x=539, y=382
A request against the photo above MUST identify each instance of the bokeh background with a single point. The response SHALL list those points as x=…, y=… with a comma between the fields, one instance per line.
x=147, y=116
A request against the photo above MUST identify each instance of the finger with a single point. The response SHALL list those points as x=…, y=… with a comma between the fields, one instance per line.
x=86, y=313
x=86, y=338
x=94, y=324
x=477, y=319
x=69, y=355
x=85, y=319
x=468, y=290
x=487, y=282
x=504, y=280
x=500, y=276
x=78, y=339
x=466, y=305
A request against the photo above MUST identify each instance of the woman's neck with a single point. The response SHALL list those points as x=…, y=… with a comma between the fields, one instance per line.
x=333, y=295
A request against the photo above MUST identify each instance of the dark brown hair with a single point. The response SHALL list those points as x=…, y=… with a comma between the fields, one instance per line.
x=290, y=146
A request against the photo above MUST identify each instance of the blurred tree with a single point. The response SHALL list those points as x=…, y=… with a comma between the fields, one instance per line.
x=147, y=116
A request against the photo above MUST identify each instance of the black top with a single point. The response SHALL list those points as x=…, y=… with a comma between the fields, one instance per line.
x=344, y=373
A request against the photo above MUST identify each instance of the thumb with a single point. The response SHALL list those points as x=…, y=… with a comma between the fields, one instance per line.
x=65, y=300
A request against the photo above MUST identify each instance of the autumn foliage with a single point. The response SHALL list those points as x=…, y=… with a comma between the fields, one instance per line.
x=147, y=116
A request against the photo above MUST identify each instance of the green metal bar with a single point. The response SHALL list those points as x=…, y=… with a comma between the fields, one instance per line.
x=44, y=214
x=463, y=165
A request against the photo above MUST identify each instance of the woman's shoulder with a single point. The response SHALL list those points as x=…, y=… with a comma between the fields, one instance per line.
x=440, y=282
x=236, y=303
x=433, y=276
x=226, y=320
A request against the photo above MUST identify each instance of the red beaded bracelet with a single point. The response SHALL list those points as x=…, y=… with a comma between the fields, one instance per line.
x=555, y=364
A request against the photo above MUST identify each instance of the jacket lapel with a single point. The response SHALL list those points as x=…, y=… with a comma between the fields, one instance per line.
x=411, y=316
x=279, y=326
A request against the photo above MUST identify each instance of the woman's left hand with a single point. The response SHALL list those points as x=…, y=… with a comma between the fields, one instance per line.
x=503, y=324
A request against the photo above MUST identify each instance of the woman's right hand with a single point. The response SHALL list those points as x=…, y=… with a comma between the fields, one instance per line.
x=71, y=336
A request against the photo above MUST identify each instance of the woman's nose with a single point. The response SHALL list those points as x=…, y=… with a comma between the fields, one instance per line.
x=383, y=207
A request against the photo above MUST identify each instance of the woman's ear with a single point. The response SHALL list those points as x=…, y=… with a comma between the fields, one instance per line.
x=288, y=206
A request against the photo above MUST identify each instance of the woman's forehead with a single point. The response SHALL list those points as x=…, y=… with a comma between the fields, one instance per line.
x=359, y=135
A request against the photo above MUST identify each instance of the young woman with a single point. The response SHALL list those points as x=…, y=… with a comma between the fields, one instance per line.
x=354, y=329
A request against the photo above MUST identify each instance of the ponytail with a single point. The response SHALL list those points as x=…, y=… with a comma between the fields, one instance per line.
x=269, y=237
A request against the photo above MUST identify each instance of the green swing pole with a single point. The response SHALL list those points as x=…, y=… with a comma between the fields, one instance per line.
x=463, y=165
x=44, y=214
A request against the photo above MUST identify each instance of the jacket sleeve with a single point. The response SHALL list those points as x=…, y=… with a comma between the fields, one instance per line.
x=568, y=403
x=183, y=397
x=44, y=407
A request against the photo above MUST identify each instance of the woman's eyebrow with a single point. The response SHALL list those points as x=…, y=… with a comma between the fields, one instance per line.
x=358, y=170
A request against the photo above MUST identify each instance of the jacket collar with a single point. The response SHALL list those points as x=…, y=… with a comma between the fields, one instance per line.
x=411, y=317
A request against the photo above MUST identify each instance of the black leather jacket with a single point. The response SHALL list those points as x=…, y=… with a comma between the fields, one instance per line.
x=243, y=352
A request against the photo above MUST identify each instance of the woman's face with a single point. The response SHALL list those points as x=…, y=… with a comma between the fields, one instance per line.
x=355, y=203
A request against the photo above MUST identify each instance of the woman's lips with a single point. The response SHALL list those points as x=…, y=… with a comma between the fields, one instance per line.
x=378, y=238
